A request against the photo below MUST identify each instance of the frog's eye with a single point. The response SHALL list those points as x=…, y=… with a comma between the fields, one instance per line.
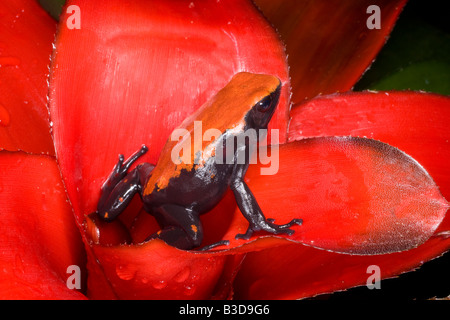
x=264, y=104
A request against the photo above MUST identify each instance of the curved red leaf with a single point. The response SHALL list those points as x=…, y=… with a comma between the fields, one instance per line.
x=354, y=195
x=328, y=43
x=38, y=236
x=25, y=49
x=155, y=270
x=296, y=271
x=413, y=122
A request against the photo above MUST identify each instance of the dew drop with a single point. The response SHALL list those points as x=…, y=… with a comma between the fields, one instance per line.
x=161, y=284
x=183, y=275
x=189, y=290
x=125, y=272
x=4, y=116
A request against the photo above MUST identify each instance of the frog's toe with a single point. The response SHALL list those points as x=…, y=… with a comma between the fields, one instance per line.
x=289, y=232
x=296, y=221
x=244, y=236
x=214, y=245
x=285, y=226
x=282, y=228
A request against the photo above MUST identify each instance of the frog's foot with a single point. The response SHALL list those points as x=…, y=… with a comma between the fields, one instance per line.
x=214, y=245
x=121, y=168
x=143, y=150
x=269, y=226
x=285, y=226
x=109, y=193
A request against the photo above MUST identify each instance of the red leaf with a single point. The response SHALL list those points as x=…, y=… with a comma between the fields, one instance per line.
x=328, y=43
x=415, y=123
x=354, y=195
x=295, y=271
x=38, y=236
x=25, y=49
x=156, y=270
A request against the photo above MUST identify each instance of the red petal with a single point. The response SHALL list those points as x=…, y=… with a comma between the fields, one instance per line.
x=416, y=123
x=133, y=72
x=156, y=270
x=295, y=271
x=354, y=195
x=25, y=49
x=38, y=237
x=328, y=43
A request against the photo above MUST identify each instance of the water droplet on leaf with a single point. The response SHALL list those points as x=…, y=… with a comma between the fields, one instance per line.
x=125, y=272
x=189, y=290
x=183, y=275
x=160, y=284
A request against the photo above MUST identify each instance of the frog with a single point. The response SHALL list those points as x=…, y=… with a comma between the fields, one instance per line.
x=178, y=190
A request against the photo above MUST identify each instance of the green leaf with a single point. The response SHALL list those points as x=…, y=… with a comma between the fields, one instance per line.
x=53, y=7
x=416, y=57
x=432, y=76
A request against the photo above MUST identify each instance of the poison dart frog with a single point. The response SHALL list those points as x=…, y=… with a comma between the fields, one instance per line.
x=177, y=191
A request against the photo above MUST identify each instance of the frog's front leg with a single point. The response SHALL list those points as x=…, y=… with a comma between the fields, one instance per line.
x=121, y=186
x=119, y=172
x=251, y=210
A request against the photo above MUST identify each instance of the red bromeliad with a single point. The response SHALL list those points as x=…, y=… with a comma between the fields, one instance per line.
x=368, y=178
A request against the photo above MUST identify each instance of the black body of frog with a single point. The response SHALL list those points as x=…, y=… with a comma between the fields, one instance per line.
x=179, y=189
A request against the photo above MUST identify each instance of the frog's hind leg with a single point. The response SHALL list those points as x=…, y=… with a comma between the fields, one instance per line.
x=181, y=227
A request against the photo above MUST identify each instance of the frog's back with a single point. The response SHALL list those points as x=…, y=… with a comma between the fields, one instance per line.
x=224, y=111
